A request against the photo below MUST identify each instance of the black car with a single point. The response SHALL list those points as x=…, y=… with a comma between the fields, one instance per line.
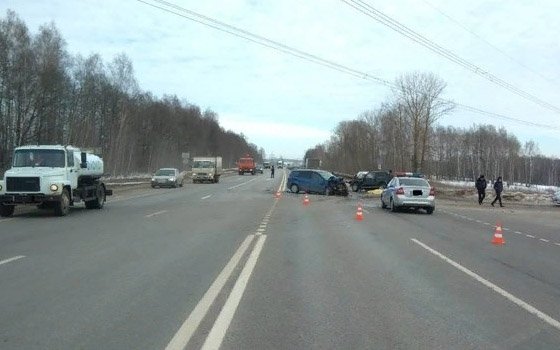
x=371, y=180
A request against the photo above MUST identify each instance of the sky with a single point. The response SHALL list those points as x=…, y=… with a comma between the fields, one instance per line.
x=287, y=105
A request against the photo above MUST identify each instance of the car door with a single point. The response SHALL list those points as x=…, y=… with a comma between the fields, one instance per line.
x=368, y=181
x=303, y=180
x=317, y=183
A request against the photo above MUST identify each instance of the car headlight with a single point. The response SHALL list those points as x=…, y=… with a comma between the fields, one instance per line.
x=153, y=179
x=54, y=187
x=171, y=179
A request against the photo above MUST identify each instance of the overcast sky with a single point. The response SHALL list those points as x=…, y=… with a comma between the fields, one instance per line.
x=286, y=104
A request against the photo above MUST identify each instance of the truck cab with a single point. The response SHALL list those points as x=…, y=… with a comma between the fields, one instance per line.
x=54, y=177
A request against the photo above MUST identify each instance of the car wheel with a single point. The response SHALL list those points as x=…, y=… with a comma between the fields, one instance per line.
x=394, y=209
x=383, y=186
x=430, y=210
x=327, y=191
x=383, y=206
x=294, y=188
x=181, y=185
x=355, y=187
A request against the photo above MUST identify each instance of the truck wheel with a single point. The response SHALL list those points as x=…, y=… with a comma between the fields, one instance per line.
x=294, y=188
x=62, y=207
x=217, y=179
x=181, y=184
x=240, y=173
x=355, y=187
x=99, y=200
x=7, y=210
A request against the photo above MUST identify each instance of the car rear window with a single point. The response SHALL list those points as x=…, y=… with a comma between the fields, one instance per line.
x=413, y=182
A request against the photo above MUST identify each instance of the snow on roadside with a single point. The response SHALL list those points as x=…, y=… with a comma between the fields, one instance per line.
x=518, y=187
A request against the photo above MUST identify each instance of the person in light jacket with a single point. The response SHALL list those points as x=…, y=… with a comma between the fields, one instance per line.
x=498, y=188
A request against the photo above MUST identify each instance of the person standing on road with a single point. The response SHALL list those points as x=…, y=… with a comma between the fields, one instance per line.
x=481, y=188
x=498, y=187
x=272, y=171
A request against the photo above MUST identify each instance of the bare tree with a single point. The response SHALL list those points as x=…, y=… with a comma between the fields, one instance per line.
x=419, y=95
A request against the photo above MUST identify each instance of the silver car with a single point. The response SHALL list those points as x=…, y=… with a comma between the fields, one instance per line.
x=409, y=192
x=167, y=177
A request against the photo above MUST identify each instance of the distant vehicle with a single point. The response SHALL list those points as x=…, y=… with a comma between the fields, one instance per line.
x=312, y=163
x=167, y=177
x=206, y=169
x=246, y=165
x=316, y=181
x=279, y=164
x=370, y=180
x=53, y=177
x=266, y=165
x=259, y=168
x=409, y=192
x=556, y=198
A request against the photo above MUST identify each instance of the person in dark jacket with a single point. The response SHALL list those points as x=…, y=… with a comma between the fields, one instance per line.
x=481, y=188
x=272, y=171
x=498, y=187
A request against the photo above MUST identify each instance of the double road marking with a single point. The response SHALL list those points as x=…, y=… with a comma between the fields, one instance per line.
x=222, y=322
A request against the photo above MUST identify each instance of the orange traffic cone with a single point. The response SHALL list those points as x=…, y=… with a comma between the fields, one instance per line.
x=359, y=213
x=306, y=200
x=498, y=236
x=277, y=194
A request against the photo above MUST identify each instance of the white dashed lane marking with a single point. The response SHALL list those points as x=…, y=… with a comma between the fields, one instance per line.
x=503, y=228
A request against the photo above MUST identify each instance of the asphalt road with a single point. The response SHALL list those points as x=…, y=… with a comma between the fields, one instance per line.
x=229, y=266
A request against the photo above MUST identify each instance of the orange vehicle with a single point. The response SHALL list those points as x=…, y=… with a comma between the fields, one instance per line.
x=246, y=165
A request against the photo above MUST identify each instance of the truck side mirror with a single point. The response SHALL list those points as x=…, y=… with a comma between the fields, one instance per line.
x=83, y=160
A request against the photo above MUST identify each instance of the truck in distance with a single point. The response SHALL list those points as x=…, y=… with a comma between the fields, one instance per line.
x=53, y=177
x=246, y=165
x=206, y=169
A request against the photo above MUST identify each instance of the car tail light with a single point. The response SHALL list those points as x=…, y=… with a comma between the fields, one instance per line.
x=400, y=190
x=432, y=191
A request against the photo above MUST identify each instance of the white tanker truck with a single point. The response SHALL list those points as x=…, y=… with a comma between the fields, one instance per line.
x=52, y=177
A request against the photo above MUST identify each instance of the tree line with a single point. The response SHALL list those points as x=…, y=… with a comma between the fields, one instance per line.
x=403, y=134
x=48, y=96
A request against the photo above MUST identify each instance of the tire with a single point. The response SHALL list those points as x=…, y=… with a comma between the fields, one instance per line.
x=99, y=200
x=62, y=207
x=327, y=192
x=294, y=188
x=240, y=173
x=430, y=210
x=355, y=187
x=392, y=206
x=382, y=186
x=217, y=180
x=252, y=173
x=383, y=206
x=181, y=184
x=7, y=210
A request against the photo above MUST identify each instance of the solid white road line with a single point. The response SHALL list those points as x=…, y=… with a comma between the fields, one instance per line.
x=220, y=327
x=531, y=309
x=187, y=329
x=243, y=183
x=206, y=197
x=2, y=262
x=530, y=236
x=156, y=213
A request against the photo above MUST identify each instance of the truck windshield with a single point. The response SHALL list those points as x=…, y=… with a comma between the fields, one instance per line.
x=51, y=158
x=203, y=164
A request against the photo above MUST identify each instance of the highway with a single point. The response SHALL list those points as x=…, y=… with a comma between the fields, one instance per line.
x=230, y=266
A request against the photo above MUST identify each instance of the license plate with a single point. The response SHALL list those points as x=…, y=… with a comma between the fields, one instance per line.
x=417, y=192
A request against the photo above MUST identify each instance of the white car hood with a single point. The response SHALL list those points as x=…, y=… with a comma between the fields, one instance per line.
x=36, y=171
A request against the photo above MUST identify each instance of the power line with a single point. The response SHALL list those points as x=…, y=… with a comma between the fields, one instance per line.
x=473, y=33
x=260, y=40
x=393, y=24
